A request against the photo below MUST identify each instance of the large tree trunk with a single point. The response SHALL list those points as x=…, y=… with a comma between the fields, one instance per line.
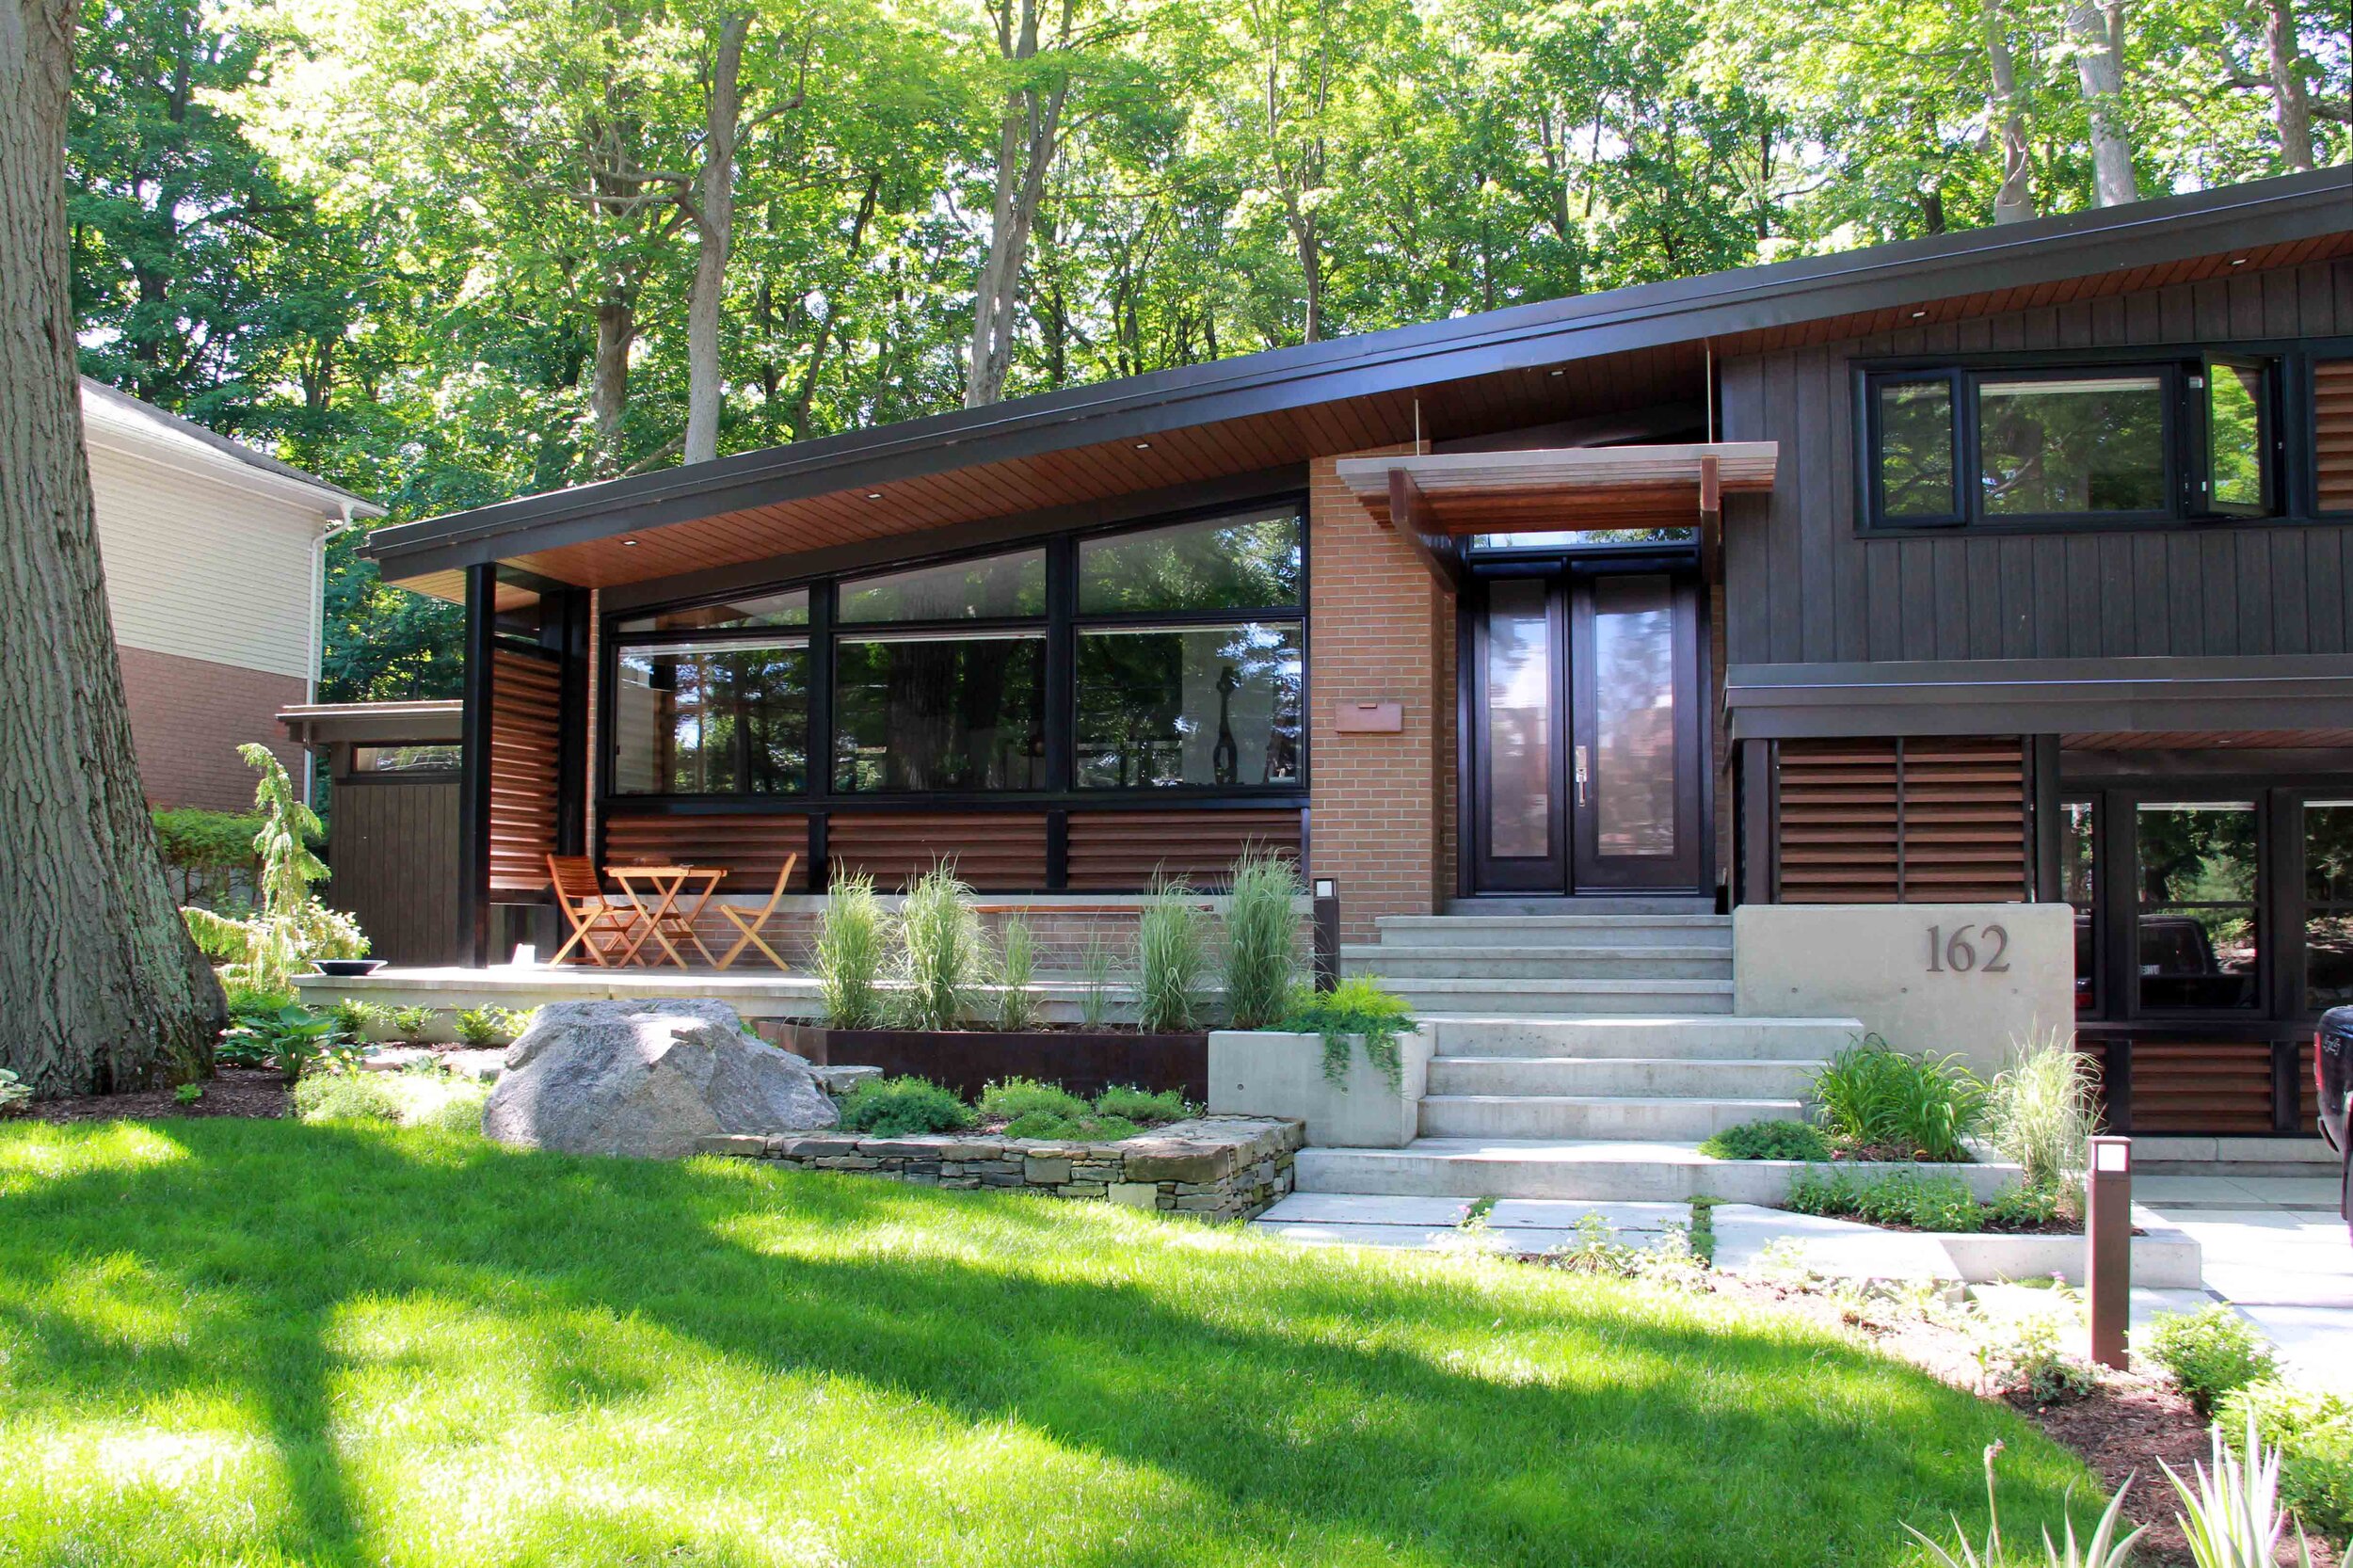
x=714, y=228
x=608, y=385
x=101, y=984
x=2100, y=73
x=2291, y=106
x=1027, y=135
x=2014, y=201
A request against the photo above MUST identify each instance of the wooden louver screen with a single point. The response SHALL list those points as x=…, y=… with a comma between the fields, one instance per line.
x=1125, y=851
x=2333, y=420
x=750, y=846
x=526, y=695
x=1882, y=819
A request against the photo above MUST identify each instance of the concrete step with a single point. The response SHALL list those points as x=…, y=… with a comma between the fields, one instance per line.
x=1479, y=931
x=1672, y=1033
x=1599, y=904
x=1552, y=998
x=1575, y=1116
x=1600, y=1170
x=1741, y=1077
x=1448, y=960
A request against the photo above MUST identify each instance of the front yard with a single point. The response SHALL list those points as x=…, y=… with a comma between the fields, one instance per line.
x=265, y=1342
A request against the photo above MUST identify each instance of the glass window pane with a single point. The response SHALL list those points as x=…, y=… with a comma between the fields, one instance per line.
x=434, y=758
x=964, y=712
x=994, y=586
x=1916, y=448
x=2328, y=898
x=1573, y=537
x=1519, y=721
x=1633, y=780
x=2198, y=933
x=790, y=608
x=2236, y=396
x=712, y=719
x=2079, y=885
x=1245, y=563
x=2072, y=445
x=1192, y=705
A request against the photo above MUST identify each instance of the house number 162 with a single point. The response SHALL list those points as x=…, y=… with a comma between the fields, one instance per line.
x=1958, y=953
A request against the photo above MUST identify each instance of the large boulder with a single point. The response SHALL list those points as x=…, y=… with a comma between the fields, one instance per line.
x=647, y=1078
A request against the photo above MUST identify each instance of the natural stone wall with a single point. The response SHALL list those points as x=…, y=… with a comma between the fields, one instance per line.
x=1217, y=1167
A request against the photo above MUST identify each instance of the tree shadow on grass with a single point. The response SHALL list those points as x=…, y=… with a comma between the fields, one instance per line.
x=1312, y=1406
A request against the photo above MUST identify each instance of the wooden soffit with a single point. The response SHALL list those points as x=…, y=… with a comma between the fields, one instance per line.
x=1460, y=493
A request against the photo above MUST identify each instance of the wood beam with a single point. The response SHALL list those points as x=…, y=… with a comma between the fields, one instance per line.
x=1410, y=516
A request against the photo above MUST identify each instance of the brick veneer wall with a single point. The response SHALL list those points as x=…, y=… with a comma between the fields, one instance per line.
x=188, y=716
x=1382, y=818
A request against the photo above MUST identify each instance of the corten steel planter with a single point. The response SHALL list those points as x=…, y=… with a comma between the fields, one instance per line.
x=966, y=1060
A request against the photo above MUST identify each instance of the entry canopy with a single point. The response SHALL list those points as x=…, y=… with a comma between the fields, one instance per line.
x=1559, y=488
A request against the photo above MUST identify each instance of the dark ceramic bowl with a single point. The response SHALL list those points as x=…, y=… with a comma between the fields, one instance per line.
x=348, y=967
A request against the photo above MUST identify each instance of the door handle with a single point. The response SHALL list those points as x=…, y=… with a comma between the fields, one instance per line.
x=1580, y=775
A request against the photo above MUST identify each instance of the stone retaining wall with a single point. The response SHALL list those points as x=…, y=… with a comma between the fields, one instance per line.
x=1217, y=1167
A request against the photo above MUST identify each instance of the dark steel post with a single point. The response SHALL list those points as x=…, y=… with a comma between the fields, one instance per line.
x=473, y=800
x=1327, y=933
x=2108, y=1247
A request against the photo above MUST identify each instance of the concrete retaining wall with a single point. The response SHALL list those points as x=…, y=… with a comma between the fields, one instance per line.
x=1264, y=1072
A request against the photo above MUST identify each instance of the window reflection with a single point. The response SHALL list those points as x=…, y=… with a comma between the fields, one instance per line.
x=995, y=585
x=785, y=609
x=1519, y=720
x=2079, y=886
x=1190, y=705
x=1916, y=448
x=1251, y=563
x=1634, y=716
x=716, y=718
x=2198, y=937
x=2329, y=904
x=965, y=712
x=2236, y=396
x=2053, y=445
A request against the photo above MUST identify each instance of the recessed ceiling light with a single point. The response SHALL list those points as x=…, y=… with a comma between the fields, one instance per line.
x=1144, y=446
x=2238, y=261
x=873, y=495
x=629, y=541
x=1559, y=372
x=1917, y=314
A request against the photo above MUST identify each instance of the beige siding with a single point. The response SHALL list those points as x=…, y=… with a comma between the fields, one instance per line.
x=203, y=569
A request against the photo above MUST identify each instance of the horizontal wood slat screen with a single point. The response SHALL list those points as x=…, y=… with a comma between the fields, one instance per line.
x=2306, y=1091
x=752, y=848
x=2201, y=1087
x=1929, y=820
x=526, y=695
x=2332, y=416
x=994, y=851
x=1120, y=852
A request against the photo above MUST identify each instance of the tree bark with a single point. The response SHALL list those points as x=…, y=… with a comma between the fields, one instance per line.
x=2014, y=201
x=2100, y=73
x=714, y=230
x=1027, y=133
x=103, y=984
x=608, y=383
x=2291, y=106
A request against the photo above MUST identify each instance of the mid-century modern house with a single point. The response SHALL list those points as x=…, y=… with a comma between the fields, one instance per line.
x=214, y=554
x=2006, y=566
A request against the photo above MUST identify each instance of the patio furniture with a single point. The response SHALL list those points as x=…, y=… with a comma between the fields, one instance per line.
x=603, y=928
x=664, y=920
x=751, y=924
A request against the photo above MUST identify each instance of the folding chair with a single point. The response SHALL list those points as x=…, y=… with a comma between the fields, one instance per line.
x=601, y=927
x=751, y=924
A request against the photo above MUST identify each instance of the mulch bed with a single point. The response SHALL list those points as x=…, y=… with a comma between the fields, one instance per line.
x=237, y=1092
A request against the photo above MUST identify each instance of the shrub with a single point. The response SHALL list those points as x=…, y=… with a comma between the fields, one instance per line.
x=244, y=998
x=412, y=1021
x=354, y=1017
x=292, y=926
x=943, y=955
x=1360, y=1007
x=2043, y=1108
x=483, y=1025
x=1172, y=959
x=206, y=851
x=1147, y=1109
x=344, y=1097
x=1088, y=1129
x=2025, y=1358
x=1261, y=940
x=1873, y=1095
x=897, y=1107
x=448, y=1106
x=2313, y=1431
x=2230, y=1514
x=2209, y=1352
x=1900, y=1198
x=1012, y=1098
x=14, y=1093
x=2028, y=1206
x=852, y=936
x=1018, y=1004
x=1099, y=967
x=1767, y=1140
x=187, y=1094
x=293, y=1039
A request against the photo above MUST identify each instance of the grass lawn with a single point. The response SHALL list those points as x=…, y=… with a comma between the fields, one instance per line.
x=261, y=1342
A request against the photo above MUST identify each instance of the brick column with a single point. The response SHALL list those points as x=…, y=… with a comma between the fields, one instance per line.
x=1380, y=630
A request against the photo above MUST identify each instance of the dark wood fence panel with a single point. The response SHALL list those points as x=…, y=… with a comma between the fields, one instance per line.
x=994, y=851
x=526, y=695
x=751, y=847
x=1121, y=852
x=393, y=846
x=1935, y=820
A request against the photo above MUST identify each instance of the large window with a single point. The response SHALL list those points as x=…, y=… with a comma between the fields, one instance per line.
x=2328, y=904
x=715, y=718
x=2068, y=445
x=961, y=711
x=2199, y=932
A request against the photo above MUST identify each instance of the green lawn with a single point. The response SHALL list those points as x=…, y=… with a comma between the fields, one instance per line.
x=261, y=1342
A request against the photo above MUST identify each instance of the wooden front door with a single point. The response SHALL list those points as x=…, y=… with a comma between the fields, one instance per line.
x=1585, y=735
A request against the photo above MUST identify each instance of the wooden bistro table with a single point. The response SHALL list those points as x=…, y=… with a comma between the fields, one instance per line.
x=663, y=916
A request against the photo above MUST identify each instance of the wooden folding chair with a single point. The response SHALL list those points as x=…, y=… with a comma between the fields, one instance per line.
x=751, y=924
x=603, y=928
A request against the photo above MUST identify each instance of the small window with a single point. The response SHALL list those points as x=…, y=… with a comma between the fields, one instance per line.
x=790, y=608
x=2328, y=904
x=2198, y=931
x=2238, y=437
x=1580, y=538
x=992, y=587
x=1247, y=563
x=718, y=718
x=1916, y=443
x=2072, y=445
x=431, y=758
x=1161, y=706
x=964, y=710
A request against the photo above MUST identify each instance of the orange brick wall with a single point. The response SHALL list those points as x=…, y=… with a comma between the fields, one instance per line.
x=1380, y=629
x=188, y=716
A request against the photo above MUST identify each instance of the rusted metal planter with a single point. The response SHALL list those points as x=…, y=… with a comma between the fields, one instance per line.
x=1085, y=1063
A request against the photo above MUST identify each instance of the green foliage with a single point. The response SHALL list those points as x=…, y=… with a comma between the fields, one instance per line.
x=1261, y=940
x=1358, y=1008
x=1017, y=1002
x=1009, y=1100
x=187, y=1094
x=356, y=1018
x=2230, y=1514
x=2026, y=1358
x=202, y=847
x=2043, y=1109
x=14, y=1092
x=1144, y=1109
x=853, y=938
x=943, y=954
x=2029, y=1206
x=1033, y=1109
x=291, y=927
x=2103, y=1548
x=2311, y=1430
x=1767, y=1140
x=293, y=1039
x=412, y=1021
x=899, y=1107
x=1172, y=960
x=1921, y=1201
x=1098, y=972
x=1874, y=1096
x=2209, y=1352
x=345, y=1098
x=483, y=1027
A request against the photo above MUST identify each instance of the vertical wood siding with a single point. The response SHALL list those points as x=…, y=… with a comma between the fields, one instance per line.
x=1804, y=587
x=395, y=863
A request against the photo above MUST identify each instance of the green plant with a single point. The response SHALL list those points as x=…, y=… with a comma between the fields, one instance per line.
x=943, y=955
x=1017, y=1003
x=2043, y=1108
x=200, y=845
x=1172, y=960
x=2209, y=1352
x=412, y=1021
x=1261, y=940
x=1098, y=967
x=1358, y=1007
x=2104, y=1550
x=1898, y=1198
x=243, y=998
x=2025, y=1357
x=1146, y=1110
x=516, y=1021
x=187, y=1094
x=853, y=936
x=345, y=1098
x=2230, y=1514
x=897, y=1107
x=354, y=1018
x=13, y=1091
x=1873, y=1095
x=1012, y=1098
x=1767, y=1140
x=292, y=926
x=2027, y=1206
x=291, y=1039
x=483, y=1027
x=2313, y=1431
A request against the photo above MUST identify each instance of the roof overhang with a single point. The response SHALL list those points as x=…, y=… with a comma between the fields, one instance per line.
x=316, y=724
x=1580, y=486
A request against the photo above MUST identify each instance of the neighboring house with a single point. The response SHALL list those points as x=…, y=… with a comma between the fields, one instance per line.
x=214, y=557
x=2014, y=565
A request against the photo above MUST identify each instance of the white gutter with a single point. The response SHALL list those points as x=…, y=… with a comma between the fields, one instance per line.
x=318, y=636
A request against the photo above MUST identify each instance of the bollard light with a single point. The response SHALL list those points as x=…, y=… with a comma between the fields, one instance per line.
x=526, y=955
x=2108, y=1247
x=1324, y=886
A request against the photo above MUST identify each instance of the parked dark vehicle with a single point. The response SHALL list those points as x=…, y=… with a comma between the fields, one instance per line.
x=2332, y=1074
